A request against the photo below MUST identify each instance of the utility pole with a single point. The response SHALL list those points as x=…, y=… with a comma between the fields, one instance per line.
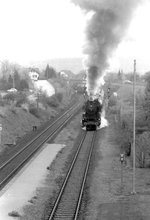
x=37, y=100
x=0, y=134
x=134, y=117
x=13, y=78
x=4, y=68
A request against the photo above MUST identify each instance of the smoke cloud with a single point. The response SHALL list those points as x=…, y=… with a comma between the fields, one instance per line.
x=105, y=30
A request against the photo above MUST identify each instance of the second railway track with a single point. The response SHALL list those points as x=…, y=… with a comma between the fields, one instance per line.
x=67, y=204
x=15, y=161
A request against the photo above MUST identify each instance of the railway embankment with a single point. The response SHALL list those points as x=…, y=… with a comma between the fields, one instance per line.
x=17, y=122
x=34, y=205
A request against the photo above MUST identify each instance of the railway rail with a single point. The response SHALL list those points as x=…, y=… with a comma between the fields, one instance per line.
x=15, y=161
x=68, y=202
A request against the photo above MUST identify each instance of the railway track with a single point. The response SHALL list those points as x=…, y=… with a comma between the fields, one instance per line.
x=15, y=161
x=67, y=204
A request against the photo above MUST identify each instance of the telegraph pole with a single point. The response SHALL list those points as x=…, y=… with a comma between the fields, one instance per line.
x=13, y=80
x=37, y=101
x=13, y=76
x=0, y=134
x=134, y=117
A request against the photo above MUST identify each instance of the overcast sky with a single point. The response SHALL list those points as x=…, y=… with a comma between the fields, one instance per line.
x=136, y=44
x=33, y=30
x=40, y=29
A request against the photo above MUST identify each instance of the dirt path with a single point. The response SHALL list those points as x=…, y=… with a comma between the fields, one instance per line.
x=106, y=199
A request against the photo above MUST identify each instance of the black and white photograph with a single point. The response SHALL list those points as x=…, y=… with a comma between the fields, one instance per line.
x=74, y=110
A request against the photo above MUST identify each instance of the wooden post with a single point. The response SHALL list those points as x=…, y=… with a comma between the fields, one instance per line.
x=134, y=117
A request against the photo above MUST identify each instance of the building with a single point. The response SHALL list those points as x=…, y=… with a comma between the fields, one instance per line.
x=34, y=75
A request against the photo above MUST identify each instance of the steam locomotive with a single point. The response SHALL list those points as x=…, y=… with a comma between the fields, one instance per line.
x=91, y=117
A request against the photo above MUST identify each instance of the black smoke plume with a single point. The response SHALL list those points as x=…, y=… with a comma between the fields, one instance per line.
x=105, y=30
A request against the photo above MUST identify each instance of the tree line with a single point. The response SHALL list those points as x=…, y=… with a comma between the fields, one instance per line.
x=13, y=81
x=16, y=76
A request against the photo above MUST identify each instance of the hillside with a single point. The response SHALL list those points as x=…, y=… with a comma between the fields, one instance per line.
x=19, y=119
x=15, y=122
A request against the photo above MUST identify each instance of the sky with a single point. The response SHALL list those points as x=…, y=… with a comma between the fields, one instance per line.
x=135, y=44
x=38, y=30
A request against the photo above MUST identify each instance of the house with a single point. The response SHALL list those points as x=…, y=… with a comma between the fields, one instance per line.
x=34, y=75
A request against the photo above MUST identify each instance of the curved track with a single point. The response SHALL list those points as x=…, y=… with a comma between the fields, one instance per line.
x=67, y=204
x=16, y=160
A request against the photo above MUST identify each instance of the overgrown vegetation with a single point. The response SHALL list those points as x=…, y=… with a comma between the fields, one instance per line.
x=19, y=98
x=34, y=111
x=121, y=108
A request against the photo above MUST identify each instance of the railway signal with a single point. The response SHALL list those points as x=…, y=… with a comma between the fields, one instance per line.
x=122, y=159
x=108, y=92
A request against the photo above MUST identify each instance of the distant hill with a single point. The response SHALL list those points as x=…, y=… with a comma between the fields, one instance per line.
x=72, y=64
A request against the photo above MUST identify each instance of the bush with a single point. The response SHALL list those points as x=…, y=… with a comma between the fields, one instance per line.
x=125, y=138
x=34, y=111
x=9, y=97
x=59, y=96
x=143, y=150
x=21, y=99
x=52, y=101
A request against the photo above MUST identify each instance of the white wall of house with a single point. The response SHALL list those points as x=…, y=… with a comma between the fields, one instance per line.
x=45, y=87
